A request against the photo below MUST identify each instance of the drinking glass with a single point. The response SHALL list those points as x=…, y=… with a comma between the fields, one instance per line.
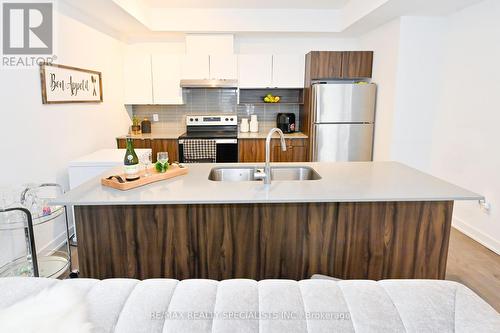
x=147, y=160
x=162, y=158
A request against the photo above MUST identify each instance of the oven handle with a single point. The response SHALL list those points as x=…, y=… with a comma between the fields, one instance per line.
x=217, y=141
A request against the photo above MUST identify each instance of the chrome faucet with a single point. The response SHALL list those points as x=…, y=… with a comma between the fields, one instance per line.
x=266, y=174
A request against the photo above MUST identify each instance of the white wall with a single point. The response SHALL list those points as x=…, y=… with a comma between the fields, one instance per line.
x=438, y=106
x=466, y=137
x=37, y=141
x=385, y=42
x=49, y=136
x=419, y=80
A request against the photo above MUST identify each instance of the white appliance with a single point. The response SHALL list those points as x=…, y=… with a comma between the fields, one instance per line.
x=92, y=165
x=343, y=121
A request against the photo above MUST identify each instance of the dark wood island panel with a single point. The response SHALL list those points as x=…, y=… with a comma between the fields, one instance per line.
x=372, y=240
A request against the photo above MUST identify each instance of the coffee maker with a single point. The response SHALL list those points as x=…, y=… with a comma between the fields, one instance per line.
x=286, y=122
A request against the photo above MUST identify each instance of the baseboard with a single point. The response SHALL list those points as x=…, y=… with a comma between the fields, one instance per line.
x=476, y=235
x=54, y=244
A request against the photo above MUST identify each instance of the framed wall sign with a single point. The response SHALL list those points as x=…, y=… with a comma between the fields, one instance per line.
x=65, y=84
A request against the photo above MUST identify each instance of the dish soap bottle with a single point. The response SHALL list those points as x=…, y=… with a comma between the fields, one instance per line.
x=131, y=162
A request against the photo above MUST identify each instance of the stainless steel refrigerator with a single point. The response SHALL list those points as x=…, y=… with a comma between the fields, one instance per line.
x=343, y=121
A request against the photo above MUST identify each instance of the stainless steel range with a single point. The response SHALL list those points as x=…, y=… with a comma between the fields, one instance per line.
x=223, y=129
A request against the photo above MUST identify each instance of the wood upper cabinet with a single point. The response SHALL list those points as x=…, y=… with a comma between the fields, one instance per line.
x=357, y=64
x=254, y=150
x=137, y=79
x=166, y=73
x=322, y=65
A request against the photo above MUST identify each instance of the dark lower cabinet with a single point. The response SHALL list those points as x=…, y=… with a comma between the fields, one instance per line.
x=251, y=150
x=169, y=145
x=156, y=145
x=348, y=240
x=296, y=151
x=254, y=150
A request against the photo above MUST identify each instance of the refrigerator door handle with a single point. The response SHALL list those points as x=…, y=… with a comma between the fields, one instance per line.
x=314, y=104
x=314, y=143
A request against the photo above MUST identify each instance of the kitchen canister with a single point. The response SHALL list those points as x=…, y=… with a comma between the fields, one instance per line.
x=244, y=126
x=254, y=124
x=146, y=126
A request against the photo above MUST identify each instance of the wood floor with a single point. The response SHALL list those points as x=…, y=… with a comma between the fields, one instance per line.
x=475, y=266
x=469, y=263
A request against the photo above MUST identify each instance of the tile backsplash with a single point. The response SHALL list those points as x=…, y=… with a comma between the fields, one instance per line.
x=211, y=101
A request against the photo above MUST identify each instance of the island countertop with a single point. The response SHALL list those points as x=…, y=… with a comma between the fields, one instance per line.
x=340, y=182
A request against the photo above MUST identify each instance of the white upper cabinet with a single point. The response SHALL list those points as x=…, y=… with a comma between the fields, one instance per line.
x=288, y=70
x=166, y=69
x=223, y=66
x=255, y=70
x=137, y=79
x=195, y=67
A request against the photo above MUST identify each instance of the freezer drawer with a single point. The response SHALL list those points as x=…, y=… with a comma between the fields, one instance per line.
x=342, y=142
x=344, y=103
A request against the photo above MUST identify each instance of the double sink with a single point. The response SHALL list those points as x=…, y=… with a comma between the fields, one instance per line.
x=247, y=173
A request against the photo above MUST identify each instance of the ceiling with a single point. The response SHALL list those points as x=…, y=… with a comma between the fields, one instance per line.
x=150, y=19
x=315, y=4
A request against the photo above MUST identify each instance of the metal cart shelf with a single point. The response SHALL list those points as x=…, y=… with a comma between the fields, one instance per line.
x=53, y=265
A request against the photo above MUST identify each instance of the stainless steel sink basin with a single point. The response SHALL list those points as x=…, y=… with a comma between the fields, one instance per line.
x=245, y=174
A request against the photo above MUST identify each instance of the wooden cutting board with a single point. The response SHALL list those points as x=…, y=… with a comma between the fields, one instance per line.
x=154, y=176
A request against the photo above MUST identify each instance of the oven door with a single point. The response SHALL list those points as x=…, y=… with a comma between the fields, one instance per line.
x=227, y=150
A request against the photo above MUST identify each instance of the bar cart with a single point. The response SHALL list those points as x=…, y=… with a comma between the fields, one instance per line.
x=21, y=221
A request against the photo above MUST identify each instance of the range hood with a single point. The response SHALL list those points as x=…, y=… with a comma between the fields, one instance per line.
x=205, y=83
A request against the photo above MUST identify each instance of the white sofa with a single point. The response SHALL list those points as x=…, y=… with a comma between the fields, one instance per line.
x=239, y=305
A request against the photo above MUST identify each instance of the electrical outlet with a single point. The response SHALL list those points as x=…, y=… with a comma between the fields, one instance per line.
x=155, y=117
x=485, y=206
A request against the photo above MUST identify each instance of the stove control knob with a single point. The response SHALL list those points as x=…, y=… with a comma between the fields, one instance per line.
x=195, y=119
x=227, y=119
x=231, y=119
x=190, y=119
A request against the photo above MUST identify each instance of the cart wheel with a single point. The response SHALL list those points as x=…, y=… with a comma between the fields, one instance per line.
x=74, y=274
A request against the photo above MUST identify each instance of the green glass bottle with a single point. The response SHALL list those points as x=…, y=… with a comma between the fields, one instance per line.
x=131, y=162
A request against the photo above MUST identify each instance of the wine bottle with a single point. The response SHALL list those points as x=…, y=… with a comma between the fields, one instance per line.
x=131, y=162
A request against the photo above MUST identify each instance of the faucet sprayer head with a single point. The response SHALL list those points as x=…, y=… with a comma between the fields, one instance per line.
x=283, y=144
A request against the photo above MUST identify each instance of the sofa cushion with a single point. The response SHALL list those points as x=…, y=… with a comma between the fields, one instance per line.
x=240, y=305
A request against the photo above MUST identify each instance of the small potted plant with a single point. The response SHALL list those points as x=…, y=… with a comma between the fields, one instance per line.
x=136, y=126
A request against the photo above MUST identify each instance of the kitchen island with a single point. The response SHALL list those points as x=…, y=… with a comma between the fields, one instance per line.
x=360, y=220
